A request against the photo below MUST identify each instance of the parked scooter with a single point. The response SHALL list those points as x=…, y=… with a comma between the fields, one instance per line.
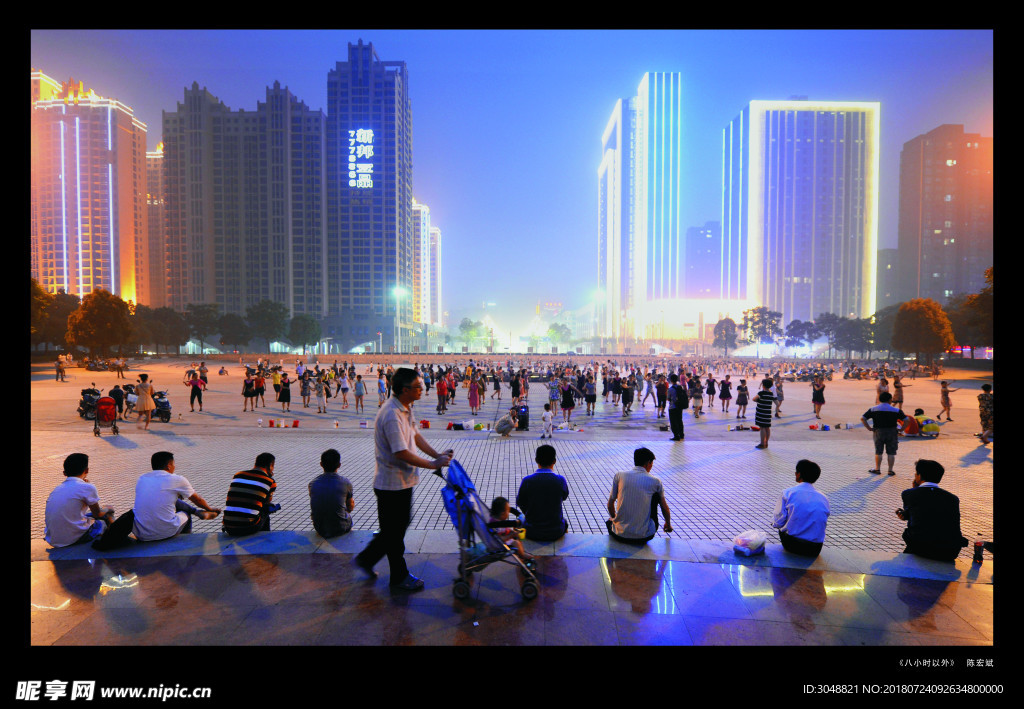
x=87, y=404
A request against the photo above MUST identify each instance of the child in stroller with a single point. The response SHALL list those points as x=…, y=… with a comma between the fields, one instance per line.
x=500, y=511
x=471, y=519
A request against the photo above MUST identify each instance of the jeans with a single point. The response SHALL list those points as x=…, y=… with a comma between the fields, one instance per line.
x=394, y=512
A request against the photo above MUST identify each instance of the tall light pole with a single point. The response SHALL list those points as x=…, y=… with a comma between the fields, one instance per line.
x=399, y=291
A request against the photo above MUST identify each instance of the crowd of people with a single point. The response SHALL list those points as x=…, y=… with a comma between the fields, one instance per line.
x=165, y=502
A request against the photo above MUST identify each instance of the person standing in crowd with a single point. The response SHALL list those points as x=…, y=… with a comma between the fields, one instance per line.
x=986, y=410
x=442, y=394
x=248, y=392
x=802, y=513
x=741, y=399
x=285, y=395
x=568, y=401
x=590, y=394
x=944, y=399
x=711, y=390
x=780, y=395
x=395, y=440
x=305, y=388
x=628, y=389
x=323, y=389
x=496, y=378
x=678, y=399
x=260, y=384
x=661, y=392
x=360, y=393
x=196, y=386
x=382, y=388
x=725, y=393
x=763, y=413
x=515, y=388
x=117, y=394
x=474, y=396
x=145, y=404
x=818, y=395
x=343, y=388
x=883, y=386
x=884, y=419
x=897, y=391
x=275, y=378
x=696, y=393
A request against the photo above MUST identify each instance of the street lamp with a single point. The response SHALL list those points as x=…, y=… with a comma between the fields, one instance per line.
x=399, y=291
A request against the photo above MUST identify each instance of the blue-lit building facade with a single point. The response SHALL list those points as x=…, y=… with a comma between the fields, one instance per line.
x=371, y=249
x=800, y=207
x=703, y=262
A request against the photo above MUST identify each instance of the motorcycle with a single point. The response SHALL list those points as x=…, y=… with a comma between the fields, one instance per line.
x=163, y=406
x=130, y=399
x=87, y=404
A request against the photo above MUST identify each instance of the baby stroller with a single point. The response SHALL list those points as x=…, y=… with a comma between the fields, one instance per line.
x=470, y=516
x=106, y=415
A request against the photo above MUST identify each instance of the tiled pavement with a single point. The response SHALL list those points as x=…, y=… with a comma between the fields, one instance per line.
x=683, y=588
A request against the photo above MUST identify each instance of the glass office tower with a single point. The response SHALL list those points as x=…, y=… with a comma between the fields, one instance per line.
x=370, y=254
x=800, y=206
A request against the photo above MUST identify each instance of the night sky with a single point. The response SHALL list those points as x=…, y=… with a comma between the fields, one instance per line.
x=507, y=124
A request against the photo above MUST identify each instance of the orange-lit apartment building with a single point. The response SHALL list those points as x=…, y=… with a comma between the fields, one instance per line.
x=89, y=223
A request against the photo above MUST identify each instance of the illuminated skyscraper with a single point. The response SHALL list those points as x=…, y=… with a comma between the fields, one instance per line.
x=157, y=266
x=370, y=255
x=945, y=223
x=436, y=312
x=88, y=192
x=421, y=262
x=800, y=207
x=702, y=261
x=245, y=207
x=640, y=237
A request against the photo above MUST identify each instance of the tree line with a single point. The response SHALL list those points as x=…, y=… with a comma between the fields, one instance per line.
x=918, y=326
x=102, y=322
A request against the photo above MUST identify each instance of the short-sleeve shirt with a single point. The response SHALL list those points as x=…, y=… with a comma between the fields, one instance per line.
x=883, y=416
x=329, y=494
x=394, y=431
x=155, y=495
x=248, y=495
x=632, y=492
x=540, y=497
x=65, y=511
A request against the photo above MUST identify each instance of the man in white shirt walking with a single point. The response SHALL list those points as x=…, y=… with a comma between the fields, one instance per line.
x=802, y=512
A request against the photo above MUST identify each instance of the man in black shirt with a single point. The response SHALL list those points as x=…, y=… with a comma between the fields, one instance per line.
x=540, y=498
x=884, y=418
x=932, y=515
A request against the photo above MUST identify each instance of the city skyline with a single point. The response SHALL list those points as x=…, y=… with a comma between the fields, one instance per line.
x=507, y=124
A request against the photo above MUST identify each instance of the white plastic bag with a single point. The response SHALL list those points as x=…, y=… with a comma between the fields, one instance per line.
x=752, y=539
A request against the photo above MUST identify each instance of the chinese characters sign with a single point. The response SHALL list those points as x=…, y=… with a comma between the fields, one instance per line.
x=360, y=150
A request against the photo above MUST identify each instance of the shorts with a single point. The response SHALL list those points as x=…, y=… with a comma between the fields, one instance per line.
x=886, y=438
x=591, y=398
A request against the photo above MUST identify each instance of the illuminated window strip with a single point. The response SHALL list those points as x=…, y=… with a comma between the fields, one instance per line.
x=78, y=210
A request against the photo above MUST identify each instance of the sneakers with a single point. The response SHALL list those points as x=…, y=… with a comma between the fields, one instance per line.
x=410, y=583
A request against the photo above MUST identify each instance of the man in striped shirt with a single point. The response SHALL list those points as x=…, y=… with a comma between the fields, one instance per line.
x=248, y=506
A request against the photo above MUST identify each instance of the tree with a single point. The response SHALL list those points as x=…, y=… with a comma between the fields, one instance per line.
x=883, y=327
x=234, y=330
x=101, y=321
x=854, y=334
x=202, y=319
x=828, y=325
x=799, y=333
x=170, y=328
x=967, y=327
x=144, y=325
x=54, y=326
x=39, y=302
x=725, y=335
x=922, y=326
x=268, y=320
x=558, y=332
x=762, y=325
x=304, y=330
x=982, y=305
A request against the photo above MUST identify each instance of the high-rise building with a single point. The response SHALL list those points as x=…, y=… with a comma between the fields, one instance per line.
x=702, y=261
x=421, y=262
x=640, y=236
x=800, y=206
x=887, y=292
x=945, y=219
x=434, y=261
x=244, y=203
x=370, y=254
x=89, y=227
x=157, y=266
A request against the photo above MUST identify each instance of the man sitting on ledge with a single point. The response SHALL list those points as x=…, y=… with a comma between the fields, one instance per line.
x=802, y=512
x=160, y=509
x=540, y=498
x=932, y=515
x=250, y=498
x=637, y=494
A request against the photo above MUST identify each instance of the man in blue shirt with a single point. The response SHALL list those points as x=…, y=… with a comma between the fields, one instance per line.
x=802, y=512
x=540, y=498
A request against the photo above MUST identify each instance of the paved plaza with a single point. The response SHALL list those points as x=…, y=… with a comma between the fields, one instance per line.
x=686, y=587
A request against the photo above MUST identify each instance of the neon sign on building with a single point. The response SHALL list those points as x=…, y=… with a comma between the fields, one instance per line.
x=360, y=147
